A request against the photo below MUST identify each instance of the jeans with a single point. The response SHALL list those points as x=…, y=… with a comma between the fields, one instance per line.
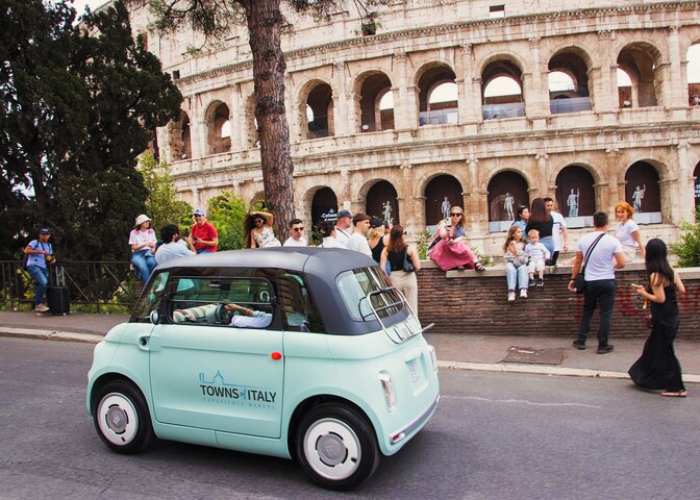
x=548, y=242
x=597, y=293
x=40, y=275
x=516, y=276
x=144, y=262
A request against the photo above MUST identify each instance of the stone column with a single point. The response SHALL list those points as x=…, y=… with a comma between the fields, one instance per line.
x=341, y=107
x=407, y=208
x=615, y=190
x=542, y=187
x=685, y=198
x=198, y=130
x=238, y=120
x=469, y=101
x=196, y=200
x=345, y=196
x=536, y=88
x=678, y=85
x=605, y=99
x=405, y=106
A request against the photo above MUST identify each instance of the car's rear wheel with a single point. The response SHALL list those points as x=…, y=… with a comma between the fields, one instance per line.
x=122, y=419
x=336, y=446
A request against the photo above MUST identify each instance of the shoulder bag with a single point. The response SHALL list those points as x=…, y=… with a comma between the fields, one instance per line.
x=580, y=280
x=408, y=266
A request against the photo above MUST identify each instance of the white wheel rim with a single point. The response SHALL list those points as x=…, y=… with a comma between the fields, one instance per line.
x=332, y=449
x=117, y=419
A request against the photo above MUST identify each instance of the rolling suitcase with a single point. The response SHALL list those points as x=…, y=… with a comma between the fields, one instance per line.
x=57, y=294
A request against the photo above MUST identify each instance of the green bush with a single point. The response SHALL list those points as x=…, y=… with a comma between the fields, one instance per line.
x=162, y=204
x=688, y=249
x=228, y=212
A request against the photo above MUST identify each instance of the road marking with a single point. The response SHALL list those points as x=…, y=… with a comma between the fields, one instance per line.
x=520, y=401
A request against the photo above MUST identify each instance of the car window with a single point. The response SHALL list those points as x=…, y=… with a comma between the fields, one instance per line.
x=360, y=287
x=151, y=300
x=225, y=301
x=298, y=309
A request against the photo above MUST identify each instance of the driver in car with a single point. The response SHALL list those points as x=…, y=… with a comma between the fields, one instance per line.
x=232, y=314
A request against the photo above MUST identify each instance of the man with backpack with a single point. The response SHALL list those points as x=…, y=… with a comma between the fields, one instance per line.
x=38, y=256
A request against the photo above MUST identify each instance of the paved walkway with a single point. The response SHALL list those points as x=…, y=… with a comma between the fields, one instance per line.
x=461, y=351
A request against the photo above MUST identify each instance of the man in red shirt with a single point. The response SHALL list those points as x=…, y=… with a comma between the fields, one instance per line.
x=203, y=235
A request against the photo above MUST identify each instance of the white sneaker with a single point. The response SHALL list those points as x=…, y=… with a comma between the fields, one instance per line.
x=41, y=308
x=523, y=293
x=511, y=296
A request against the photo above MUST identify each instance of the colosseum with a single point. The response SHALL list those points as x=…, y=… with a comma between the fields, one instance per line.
x=482, y=104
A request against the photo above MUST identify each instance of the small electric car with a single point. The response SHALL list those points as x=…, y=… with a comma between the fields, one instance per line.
x=301, y=353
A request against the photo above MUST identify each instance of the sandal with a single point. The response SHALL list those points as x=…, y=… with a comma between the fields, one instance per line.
x=675, y=394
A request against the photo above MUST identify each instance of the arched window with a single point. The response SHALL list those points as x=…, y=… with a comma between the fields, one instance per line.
x=640, y=62
x=624, y=88
x=438, y=96
x=568, y=82
x=382, y=201
x=318, y=110
x=694, y=74
x=576, y=195
x=696, y=174
x=324, y=206
x=502, y=91
x=218, y=128
x=643, y=192
x=376, y=103
x=442, y=193
x=506, y=192
x=180, y=138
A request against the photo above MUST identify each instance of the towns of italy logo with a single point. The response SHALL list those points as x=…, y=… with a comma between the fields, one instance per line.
x=217, y=390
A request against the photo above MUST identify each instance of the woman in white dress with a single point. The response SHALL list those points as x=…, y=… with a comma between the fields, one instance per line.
x=259, y=233
x=627, y=231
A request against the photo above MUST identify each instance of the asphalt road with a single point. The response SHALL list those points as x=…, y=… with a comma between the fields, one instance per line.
x=495, y=436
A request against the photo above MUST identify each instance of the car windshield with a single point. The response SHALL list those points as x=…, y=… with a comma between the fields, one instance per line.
x=361, y=287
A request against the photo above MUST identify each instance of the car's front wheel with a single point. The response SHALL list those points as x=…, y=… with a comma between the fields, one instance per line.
x=122, y=419
x=336, y=446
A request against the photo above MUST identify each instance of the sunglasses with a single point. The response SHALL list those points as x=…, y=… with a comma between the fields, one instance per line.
x=298, y=228
x=259, y=221
x=456, y=214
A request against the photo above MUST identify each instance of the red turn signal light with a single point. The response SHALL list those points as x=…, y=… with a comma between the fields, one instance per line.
x=276, y=356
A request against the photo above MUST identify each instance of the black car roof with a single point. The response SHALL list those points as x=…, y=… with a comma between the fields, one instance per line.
x=322, y=262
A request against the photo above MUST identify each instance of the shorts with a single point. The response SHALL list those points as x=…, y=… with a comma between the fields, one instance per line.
x=535, y=266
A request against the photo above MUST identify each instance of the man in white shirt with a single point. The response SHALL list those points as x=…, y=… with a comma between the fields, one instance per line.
x=560, y=234
x=606, y=256
x=358, y=240
x=296, y=234
x=343, y=228
x=173, y=246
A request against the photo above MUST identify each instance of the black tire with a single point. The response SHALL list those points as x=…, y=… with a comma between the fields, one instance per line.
x=129, y=410
x=356, y=432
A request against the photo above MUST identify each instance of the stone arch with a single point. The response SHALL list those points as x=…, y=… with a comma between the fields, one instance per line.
x=317, y=95
x=375, y=193
x=218, y=121
x=321, y=203
x=575, y=191
x=696, y=184
x=641, y=60
x=597, y=175
x=441, y=188
x=502, y=55
x=370, y=87
x=507, y=189
x=692, y=55
x=434, y=80
x=180, y=136
x=643, y=191
x=576, y=63
x=502, y=88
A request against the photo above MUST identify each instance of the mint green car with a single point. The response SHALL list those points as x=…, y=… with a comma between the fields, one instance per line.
x=297, y=353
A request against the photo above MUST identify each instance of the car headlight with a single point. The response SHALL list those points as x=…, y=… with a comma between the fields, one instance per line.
x=388, y=388
x=433, y=357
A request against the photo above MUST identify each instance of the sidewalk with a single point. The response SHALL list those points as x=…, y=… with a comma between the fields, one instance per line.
x=537, y=354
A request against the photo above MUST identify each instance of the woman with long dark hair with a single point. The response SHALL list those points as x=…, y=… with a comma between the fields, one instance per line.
x=403, y=263
x=258, y=229
x=658, y=368
x=543, y=222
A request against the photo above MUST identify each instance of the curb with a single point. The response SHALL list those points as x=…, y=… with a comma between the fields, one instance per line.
x=58, y=335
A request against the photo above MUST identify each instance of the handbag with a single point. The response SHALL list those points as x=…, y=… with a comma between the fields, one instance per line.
x=408, y=266
x=580, y=280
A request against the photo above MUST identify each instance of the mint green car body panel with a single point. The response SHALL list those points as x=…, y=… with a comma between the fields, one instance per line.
x=221, y=387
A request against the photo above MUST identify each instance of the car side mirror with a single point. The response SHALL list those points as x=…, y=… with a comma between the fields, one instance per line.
x=154, y=317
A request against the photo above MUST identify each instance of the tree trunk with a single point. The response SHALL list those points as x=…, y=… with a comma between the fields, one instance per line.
x=264, y=26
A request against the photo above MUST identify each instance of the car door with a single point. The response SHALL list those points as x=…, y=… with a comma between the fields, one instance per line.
x=213, y=365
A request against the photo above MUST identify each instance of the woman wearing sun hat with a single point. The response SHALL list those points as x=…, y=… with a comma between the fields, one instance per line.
x=143, y=247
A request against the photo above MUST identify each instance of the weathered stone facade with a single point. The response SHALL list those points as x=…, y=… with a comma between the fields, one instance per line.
x=598, y=137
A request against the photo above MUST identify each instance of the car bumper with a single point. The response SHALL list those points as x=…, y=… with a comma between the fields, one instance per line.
x=401, y=436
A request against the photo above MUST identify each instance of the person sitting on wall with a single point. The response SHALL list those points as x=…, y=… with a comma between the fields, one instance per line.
x=450, y=250
x=627, y=231
x=521, y=220
x=203, y=237
x=259, y=233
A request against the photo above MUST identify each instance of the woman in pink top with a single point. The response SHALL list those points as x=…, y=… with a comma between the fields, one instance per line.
x=449, y=249
x=143, y=247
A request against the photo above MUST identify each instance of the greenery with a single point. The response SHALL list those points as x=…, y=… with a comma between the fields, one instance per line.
x=228, y=212
x=424, y=239
x=688, y=248
x=80, y=102
x=162, y=204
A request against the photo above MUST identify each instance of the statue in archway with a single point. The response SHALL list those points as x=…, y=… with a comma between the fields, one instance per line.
x=509, y=206
x=572, y=201
x=638, y=197
x=445, y=208
x=387, y=213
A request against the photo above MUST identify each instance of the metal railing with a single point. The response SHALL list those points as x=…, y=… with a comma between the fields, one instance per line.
x=570, y=105
x=438, y=117
x=106, y=285
x=506, y=110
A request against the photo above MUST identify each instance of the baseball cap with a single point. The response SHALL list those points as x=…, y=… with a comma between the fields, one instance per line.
x=44, y=230
x=344, y=213
x=198, y=213
x=376, y=222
